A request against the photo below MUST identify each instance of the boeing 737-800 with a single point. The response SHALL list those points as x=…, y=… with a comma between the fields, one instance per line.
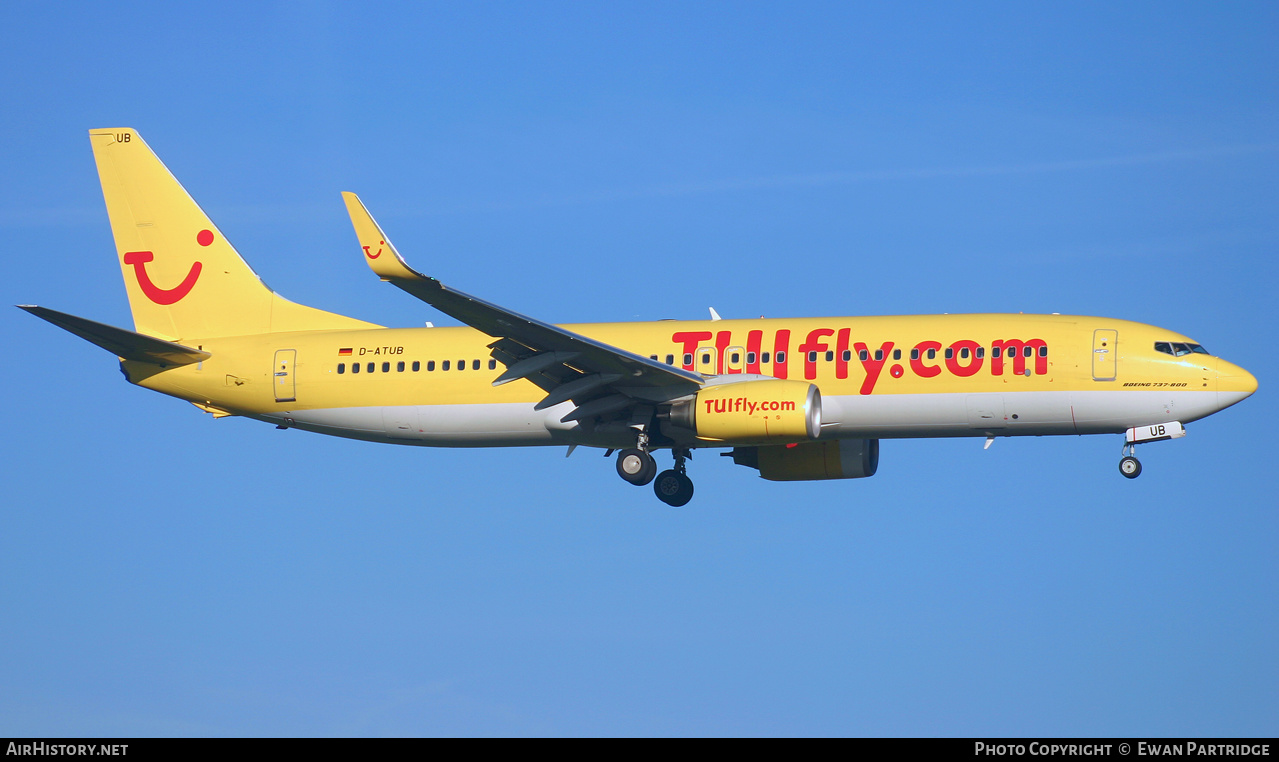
x=796, y=399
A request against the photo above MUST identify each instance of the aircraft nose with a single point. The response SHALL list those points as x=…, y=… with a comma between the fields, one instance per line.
x=1234, y=384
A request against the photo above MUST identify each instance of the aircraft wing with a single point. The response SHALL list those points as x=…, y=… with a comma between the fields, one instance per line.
x=599, y=377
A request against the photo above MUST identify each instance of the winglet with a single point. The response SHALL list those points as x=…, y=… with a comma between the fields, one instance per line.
x=379, y=252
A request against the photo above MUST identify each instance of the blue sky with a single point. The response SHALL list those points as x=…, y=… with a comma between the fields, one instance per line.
x=165, y=574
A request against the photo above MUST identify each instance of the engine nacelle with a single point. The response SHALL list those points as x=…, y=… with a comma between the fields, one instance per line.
x=811, y=461
x=753, y=411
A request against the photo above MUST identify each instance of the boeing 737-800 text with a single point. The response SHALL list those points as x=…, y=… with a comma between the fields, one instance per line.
x=796, y=399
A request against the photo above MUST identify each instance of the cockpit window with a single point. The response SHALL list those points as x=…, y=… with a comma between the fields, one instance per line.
x=1179, y=348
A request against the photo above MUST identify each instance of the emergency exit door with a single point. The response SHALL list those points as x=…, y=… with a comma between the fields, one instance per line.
x=282, y=376
x=1105, y=354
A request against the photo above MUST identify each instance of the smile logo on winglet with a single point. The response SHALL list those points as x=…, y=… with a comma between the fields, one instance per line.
x=370, y=254
x=153, y=292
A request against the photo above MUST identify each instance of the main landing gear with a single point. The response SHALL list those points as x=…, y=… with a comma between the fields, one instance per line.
x=1129, y=466
x=636, y=466
x=672, y=486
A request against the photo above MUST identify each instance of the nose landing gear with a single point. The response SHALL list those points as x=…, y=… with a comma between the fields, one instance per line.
x=1129, y=466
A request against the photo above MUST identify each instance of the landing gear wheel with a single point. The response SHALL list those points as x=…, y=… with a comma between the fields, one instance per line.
x=673, y=488
x=1130, y=467
x=636, y=466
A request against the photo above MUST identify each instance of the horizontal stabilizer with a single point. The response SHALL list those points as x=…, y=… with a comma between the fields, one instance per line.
x=124, y=344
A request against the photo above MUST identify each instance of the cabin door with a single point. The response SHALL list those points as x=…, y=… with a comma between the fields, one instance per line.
x=282, y=376
x=1105, y=354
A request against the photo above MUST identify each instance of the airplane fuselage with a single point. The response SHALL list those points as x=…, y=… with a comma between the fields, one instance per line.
x=879, y=377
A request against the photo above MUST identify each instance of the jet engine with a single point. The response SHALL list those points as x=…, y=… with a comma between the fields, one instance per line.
x=752, y=411
x=811, y=461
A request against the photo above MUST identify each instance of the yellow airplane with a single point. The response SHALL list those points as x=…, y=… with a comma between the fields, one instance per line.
x=796, y=399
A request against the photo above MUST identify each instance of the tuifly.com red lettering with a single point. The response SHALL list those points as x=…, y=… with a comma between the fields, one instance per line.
x=927, y=359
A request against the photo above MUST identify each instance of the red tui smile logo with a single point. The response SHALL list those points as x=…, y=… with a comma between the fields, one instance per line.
x=159, y=295
x=370, y=254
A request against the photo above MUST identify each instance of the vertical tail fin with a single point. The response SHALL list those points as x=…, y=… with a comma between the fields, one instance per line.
x=183, y=277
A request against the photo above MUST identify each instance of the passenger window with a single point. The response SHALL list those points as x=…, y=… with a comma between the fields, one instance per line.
x=492, y=364
x=914, y=354
x=981, y=352
x=341, y=368
x=670, y=359
x=950, y=353
x=1028, y=351
x=1043, y=351
x=370, y=368
x=932, y=354
x=863, y=355
x=764, y=358
x=386, y=367
x=475, y=364
x=897, y=354
x=963, y=353
x=750, y=358
x=430, y=365
x=812, y=357
x=688, y=358
x=734, y=358
x=399, y=367
x=781, y=357
x=879, y=354
x=416, y=366
x=846, y=356
x=355, y=367
x=444, y=365
x=461, y=364
x=830, y=357
x=653, y=357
